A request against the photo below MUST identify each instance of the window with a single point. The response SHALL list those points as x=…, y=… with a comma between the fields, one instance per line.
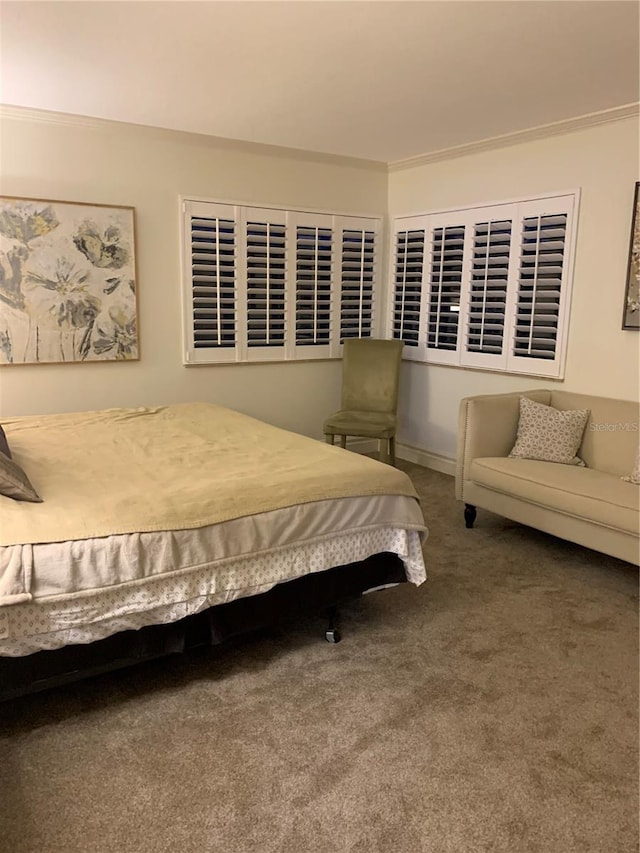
x=213, y=267
x=357, y=282
x=407, y=296
x=486, y=287
x=264, y=284
x=314, y=283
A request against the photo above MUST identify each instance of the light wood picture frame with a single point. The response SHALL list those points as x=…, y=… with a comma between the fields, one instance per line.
x=68, y=291
x=631, y=312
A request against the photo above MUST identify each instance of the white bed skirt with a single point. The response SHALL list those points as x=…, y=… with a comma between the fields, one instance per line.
x=93, y=615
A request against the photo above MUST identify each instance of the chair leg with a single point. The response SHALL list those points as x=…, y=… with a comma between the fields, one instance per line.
x=392, y=450
x=343, y=441
x=383, y=451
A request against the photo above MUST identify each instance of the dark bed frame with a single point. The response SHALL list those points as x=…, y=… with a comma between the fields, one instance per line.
x=317, y=592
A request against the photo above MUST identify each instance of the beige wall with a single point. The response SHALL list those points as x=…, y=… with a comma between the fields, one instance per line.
x=601, y=358
x=110, y=163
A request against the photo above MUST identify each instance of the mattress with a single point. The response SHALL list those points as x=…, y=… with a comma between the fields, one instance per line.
x=82, y=588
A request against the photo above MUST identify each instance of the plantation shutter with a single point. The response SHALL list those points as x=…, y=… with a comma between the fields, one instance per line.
x=212, y=272
x=488, y=287
x=491, y=272
x=313, y=286
x=265, y=283
x=357, y=283
x=407, y=274
x=445, y=291
x=541, y=289
x=539, y=285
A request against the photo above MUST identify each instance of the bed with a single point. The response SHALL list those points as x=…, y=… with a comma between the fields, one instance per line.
x=160, y=525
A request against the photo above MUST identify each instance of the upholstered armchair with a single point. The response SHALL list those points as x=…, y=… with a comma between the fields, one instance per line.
x=370, y=379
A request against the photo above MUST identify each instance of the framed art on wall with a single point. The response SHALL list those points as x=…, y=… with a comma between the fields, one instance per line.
x=631, y=315
x=67, y=282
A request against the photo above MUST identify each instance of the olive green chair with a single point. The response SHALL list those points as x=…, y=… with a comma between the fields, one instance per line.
x=370, y=379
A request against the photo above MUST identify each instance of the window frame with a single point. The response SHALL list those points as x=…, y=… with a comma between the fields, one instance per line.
x=470, y=216
x=292, y=350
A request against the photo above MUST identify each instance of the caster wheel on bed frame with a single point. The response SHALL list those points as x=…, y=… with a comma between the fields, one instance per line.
x=332, y=635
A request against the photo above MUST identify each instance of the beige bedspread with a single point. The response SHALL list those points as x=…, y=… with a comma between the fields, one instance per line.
x=171, y=468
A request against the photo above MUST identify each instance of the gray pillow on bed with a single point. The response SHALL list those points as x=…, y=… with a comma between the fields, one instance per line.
x=14, y=483
x=4, y=444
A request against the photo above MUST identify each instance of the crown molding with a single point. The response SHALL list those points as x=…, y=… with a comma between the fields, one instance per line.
x=17, y=113
x=531, y=134
x=8, y=111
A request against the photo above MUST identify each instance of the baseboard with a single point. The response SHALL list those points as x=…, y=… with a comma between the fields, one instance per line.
x=444, y=464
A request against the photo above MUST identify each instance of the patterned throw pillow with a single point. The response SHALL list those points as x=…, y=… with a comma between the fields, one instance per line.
x=635, y=474
x=549, y=434
x=4, y=444
x=14, y=483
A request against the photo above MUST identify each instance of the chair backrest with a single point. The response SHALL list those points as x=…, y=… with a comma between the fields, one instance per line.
x=371, y=374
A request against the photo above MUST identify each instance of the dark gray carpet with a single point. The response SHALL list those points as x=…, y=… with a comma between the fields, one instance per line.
x=494, y=709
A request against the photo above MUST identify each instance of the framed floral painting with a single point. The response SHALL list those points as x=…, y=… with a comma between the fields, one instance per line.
x=631, y=315
x=67, y=282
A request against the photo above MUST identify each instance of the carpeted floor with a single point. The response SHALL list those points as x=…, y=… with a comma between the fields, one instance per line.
x=495, y=708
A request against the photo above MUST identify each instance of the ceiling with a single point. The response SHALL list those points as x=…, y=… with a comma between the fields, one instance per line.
x=384, y=80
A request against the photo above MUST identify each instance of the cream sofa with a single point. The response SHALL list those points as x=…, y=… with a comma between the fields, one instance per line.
x=592, y=506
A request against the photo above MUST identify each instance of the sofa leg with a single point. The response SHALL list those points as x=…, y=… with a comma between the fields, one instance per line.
x=469, y=515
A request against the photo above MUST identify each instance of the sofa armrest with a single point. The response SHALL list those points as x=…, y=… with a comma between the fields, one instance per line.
x=487, y=426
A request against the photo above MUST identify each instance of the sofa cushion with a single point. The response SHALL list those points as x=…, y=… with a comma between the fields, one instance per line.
x=580, y=492
x=548, y=434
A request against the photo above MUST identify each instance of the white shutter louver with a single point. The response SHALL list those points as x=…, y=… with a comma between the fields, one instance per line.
x=357, y=268
x=540, y=286
x=266, y=281
x=407, y=295
x=445, y=287
x=213, y=272
x=313, y=285
x=488, y=287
